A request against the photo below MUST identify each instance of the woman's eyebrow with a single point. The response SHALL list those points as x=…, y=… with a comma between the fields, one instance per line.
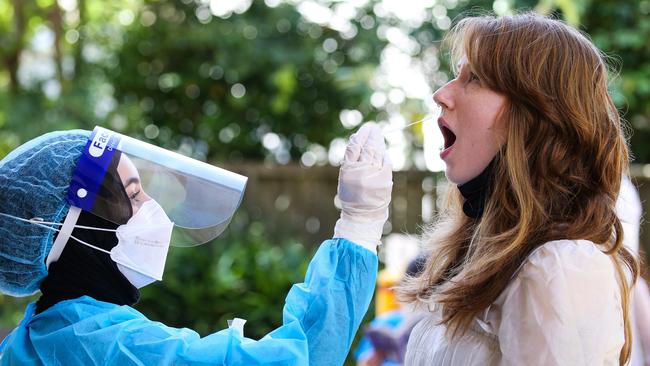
x=132, y=180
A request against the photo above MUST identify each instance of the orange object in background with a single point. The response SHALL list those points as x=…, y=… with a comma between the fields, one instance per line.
x=385, y=299
x=396, y=253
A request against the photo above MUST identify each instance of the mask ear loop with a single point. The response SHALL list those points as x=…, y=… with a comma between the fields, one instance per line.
x=63, y=237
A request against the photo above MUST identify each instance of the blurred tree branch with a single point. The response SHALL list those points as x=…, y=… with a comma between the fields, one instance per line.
x=16, y=42
x=78, y=59
x=57, y=27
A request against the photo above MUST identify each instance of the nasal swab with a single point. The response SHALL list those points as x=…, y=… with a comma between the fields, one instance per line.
x=409, y=125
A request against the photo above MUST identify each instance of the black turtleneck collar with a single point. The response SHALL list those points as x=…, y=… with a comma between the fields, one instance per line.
x=476, y=192
x=81, y=270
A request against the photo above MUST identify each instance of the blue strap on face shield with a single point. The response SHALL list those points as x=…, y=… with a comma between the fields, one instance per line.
x=91, y=168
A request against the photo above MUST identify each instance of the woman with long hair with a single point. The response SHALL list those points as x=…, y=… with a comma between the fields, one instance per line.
x=525, y=262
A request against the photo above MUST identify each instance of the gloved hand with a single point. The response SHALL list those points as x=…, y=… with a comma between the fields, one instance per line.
x=364, y=190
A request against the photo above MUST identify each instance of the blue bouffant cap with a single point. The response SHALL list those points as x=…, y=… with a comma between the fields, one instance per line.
x=34, y=180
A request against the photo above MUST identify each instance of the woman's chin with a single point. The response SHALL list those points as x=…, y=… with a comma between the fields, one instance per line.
x=452, y=178
x=459, y=178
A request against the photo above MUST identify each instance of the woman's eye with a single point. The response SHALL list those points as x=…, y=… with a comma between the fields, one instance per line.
x=134, y=195
x=472, y=77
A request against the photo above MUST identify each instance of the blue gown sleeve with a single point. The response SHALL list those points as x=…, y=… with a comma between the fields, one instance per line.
x=320, y=318
x=334, y=298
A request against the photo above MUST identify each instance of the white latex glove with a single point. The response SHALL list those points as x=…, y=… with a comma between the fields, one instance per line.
x=364, y=190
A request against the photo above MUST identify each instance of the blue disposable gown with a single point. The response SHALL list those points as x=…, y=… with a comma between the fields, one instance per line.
x=320, y=318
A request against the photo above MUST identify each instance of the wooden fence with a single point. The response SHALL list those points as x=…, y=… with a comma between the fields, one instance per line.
x=299, y=202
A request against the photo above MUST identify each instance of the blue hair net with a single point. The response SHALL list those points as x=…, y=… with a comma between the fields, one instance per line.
x=34, y=180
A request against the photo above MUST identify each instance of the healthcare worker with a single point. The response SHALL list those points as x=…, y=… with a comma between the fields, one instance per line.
x=87, y=219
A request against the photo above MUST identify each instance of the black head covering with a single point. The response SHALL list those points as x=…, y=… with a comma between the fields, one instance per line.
x=81, y=270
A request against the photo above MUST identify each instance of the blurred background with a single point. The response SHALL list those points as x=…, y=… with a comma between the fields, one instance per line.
x=271, y=89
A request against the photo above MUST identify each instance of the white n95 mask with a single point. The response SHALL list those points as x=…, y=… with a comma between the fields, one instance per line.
x=143, y=243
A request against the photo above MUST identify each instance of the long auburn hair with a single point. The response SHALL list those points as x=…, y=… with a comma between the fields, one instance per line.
x=556, y=177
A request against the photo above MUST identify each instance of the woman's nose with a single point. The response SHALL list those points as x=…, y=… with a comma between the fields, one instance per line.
x=443, y=98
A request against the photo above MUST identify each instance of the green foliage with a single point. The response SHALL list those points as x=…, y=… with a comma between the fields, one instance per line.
x=622, y=30
x=12, y=309
x=229, y=81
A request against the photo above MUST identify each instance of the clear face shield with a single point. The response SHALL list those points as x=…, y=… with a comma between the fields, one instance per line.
x=118, y=176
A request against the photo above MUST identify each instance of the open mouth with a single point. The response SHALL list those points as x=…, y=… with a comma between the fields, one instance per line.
x=449, y=136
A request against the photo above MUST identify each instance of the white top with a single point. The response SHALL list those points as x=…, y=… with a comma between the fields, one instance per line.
x=563, y=307
x=629, y=211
